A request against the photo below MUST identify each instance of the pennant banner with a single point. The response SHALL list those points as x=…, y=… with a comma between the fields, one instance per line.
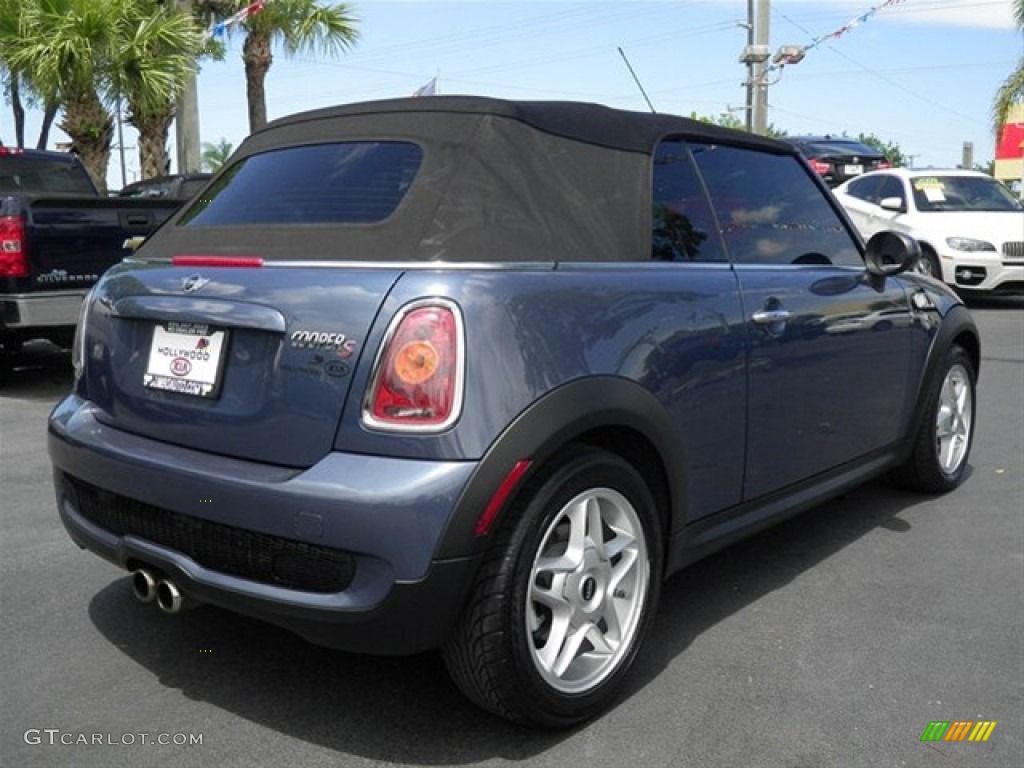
x=853, y=23
x=221, y=27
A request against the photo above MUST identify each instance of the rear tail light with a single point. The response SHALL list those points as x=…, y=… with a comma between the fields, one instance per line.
x=417, y=379
x=883, y=164
x=820, y=166
x=13, y=256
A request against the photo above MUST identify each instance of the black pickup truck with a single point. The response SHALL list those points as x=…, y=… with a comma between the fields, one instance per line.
x=175, y=186
x=57, y=236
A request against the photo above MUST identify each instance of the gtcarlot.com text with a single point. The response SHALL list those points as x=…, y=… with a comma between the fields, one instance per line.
x=57, y=737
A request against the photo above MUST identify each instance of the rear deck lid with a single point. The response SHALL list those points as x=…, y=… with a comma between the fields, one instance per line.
x=237, y=328
x=254, y=363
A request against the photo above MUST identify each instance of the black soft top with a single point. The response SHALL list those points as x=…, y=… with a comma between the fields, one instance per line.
x=580, y=121
x=500, y=181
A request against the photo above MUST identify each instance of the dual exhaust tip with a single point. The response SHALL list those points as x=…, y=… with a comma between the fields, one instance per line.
x=148, y=586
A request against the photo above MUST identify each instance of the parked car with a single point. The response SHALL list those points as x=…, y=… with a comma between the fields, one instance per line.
x=179, y=186
x=838, y=158
x=970, y=226
x=57, y=236
x=480, y=374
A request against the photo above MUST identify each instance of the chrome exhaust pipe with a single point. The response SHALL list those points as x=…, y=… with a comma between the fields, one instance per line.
x=170, y=599
x=144, y=585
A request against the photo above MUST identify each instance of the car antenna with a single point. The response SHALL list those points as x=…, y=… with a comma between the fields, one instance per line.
x=637, y=80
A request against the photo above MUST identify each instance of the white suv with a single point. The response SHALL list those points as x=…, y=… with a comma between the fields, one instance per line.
x=970, y=226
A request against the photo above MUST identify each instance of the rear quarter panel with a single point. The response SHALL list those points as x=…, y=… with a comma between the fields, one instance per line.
x=674, y=331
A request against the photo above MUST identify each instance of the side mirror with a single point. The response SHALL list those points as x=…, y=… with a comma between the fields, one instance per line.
x=889, y=253
x=895, y=204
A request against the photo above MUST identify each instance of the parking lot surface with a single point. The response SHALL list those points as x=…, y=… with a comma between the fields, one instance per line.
x=834, y=639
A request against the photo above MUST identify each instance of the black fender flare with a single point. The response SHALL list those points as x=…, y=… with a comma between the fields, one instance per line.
x=558, y=418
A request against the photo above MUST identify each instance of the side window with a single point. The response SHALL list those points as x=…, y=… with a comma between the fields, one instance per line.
x=770, y=210
x=863, y=189
x=891, y=187
x=683, y=227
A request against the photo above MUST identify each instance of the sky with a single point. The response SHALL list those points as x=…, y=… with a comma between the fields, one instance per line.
x=921, y=74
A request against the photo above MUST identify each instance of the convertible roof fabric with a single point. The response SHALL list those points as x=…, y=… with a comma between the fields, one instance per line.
x=590, y=123
x=500, y=181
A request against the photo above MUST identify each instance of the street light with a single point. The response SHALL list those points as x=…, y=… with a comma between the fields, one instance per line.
x=755, y=54
x=755, y=57
x=789, y=54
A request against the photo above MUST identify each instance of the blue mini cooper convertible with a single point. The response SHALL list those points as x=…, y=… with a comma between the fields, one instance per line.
x=478, y=375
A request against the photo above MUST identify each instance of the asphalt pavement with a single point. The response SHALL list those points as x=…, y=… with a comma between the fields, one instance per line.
x=834, y=639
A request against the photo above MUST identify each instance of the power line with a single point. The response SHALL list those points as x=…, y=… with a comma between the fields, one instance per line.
x=877, y=74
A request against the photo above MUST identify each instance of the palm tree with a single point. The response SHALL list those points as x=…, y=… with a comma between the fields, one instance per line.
x=90, y=52
x=60, y=43
x=1010, y=92
x=159, y=45
x=19, y=83
x=10, y=13
x=215, y=155
x=300, y=26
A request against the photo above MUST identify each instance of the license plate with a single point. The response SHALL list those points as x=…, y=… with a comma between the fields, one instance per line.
x=186, y=358
x=853, y=170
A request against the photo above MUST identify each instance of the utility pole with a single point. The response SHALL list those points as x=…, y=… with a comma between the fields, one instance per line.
x=967, y=156
x=748, y=119
x=186, y=117
x=120, y=140
x=760, y=117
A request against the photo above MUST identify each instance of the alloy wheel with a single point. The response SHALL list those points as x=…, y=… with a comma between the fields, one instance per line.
x=588, y=586
x=953, y=419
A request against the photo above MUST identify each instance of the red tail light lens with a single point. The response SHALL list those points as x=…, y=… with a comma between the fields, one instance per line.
x=13, y=259
x=883, y=164
x=417, y=379
x=820, y=167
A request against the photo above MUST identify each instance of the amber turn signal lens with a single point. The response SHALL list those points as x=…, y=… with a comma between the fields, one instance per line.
x=416, y=362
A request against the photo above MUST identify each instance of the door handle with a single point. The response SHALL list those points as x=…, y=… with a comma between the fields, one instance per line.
x=771, y=316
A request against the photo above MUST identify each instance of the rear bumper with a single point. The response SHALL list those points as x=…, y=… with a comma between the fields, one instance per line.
x=45, y=309
x=385, y=516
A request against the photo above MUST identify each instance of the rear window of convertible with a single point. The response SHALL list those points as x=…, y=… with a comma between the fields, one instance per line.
x=341, y=183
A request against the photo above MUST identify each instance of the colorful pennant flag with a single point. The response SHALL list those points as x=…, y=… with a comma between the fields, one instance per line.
x=852, y=24
x=221, y=27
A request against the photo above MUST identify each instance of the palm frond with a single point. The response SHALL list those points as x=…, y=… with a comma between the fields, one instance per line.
x=1010, y=94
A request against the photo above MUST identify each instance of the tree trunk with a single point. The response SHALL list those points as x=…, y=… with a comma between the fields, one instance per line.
x=49, y=113
x=91, y=129
x=153, y=129
x=19, y=111
x=258, y=58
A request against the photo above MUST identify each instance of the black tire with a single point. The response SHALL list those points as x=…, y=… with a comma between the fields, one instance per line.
x=508, y=653
x=942, y=445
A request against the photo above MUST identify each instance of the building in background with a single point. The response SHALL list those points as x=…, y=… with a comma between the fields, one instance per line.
x=1010, y=150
